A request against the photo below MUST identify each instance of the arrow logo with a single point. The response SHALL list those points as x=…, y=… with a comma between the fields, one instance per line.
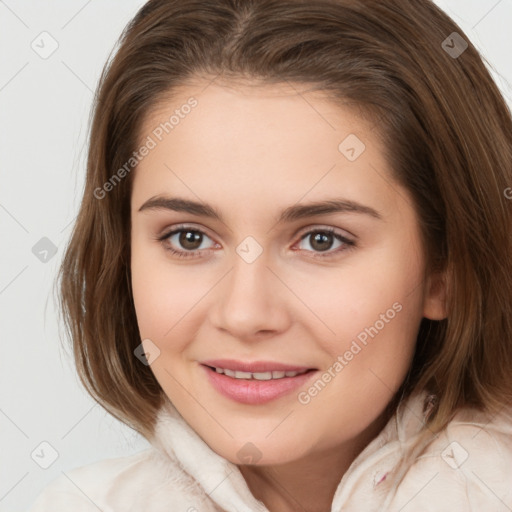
x=454, y=45
x=351, y=147
x=44, y=250
x=249, y=249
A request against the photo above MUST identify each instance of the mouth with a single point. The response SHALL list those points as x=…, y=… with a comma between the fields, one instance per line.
x=276, y=374
x=256, y=382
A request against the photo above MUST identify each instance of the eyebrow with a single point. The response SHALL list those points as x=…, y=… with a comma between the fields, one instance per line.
x=292, y=213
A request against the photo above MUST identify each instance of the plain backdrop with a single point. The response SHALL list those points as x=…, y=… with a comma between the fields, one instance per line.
x=51, y=56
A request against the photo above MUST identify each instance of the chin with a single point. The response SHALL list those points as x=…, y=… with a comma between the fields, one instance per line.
x=256, y=450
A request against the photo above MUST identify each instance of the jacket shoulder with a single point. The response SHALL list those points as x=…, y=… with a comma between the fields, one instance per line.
x=467, y=467
x=148, y=480
x=83, y=488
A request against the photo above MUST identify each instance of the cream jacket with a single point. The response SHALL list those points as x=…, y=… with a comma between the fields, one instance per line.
x=468, y=467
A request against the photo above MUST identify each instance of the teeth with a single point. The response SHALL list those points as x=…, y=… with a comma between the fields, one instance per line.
x=278, y=374
x=262, y=376
x=242, y=375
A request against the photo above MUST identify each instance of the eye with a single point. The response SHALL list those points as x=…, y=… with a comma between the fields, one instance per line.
x=186, y=241
x=323, y=240
x=189, y=242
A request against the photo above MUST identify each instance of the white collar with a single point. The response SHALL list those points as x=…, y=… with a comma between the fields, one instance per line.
x=225, y=485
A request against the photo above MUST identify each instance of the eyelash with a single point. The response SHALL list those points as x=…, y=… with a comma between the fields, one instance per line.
x=348, y=244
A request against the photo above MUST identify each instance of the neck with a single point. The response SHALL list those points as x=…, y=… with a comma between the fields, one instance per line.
x=307, y=484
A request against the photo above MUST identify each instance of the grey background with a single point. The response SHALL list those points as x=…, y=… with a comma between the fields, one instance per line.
x=44, y=111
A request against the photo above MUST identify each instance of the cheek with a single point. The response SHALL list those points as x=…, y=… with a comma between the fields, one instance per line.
x=372, y=309
x=353, y=297
x=164, y=294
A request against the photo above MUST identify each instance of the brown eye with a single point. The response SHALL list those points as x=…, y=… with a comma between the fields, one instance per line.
x=323, y=240
x=186, y=241
x=190, y=240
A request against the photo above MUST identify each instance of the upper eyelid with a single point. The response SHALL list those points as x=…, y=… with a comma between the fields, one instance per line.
x=331, y=229
x=166, y=232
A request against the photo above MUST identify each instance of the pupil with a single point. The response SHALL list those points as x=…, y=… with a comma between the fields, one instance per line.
x=322, y=241
x=190, y=239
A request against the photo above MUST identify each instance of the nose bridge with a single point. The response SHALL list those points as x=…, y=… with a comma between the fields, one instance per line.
x=248, y=285
x=249, y=301
x=250, y=273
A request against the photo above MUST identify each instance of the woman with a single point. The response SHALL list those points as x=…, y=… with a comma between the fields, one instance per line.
x=291, y=267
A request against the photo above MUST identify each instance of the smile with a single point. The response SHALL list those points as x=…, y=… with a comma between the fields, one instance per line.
x=277, y=374
x=255, y=383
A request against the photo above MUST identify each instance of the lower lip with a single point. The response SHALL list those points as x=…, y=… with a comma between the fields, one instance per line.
x=251, y=391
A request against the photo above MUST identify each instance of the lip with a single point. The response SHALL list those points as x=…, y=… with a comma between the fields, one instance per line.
x=254, y=392
x=253, y=367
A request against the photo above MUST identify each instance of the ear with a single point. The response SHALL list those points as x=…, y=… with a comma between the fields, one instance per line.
x=434, y=303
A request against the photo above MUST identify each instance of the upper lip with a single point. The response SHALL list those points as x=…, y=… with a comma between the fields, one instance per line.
x=254, y=366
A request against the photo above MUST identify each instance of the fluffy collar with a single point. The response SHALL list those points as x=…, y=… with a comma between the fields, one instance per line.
x=365, y=481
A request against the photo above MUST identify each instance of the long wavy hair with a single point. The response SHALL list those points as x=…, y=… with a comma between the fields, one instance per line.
x=448, y=137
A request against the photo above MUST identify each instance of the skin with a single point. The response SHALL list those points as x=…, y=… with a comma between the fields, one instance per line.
x=252, y=151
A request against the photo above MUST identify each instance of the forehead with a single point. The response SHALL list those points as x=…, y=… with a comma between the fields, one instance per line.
x=272, y=143
x=246, y=108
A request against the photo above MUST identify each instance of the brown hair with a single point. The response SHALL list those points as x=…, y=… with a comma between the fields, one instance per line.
x=448, y=134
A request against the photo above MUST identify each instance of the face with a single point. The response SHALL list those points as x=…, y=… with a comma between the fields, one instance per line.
x=277, y=269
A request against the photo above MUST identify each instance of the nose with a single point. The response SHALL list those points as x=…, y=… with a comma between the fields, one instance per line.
x=251, y=301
